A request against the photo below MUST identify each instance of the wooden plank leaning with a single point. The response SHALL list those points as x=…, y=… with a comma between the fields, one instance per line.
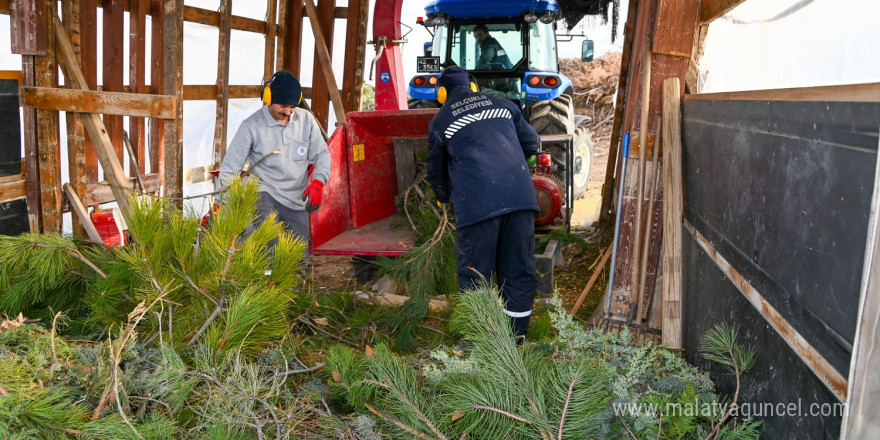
x=113, y=170
x=672, y=209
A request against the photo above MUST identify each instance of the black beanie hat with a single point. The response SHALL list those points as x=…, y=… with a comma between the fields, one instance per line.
x=286, y=90
x=454, y=76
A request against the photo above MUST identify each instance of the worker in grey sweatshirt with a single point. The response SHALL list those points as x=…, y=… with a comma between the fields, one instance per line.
x=281, y=139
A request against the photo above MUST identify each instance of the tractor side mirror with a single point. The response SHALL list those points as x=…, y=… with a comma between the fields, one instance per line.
x=429, y=49
x=587, y=51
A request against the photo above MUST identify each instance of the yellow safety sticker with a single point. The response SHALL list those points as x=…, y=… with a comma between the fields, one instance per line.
x=357, y=152
x=523, y=94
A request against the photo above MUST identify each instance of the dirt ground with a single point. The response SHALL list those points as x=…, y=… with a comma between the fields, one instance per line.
x=595, y=86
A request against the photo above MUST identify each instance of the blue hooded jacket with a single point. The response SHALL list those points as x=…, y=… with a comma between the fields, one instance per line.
x=478, y=146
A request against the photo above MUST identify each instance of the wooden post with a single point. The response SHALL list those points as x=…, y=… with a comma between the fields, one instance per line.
x=293, y=42
x=76, y=157
x=271, y=34
x=325, y=67
x=355, y=44
x=672, y=210
x=112, y=79
x=137, y=72
x=157, y=86
x=88, y=21
x=113, y=171
x=638, y=223
x=173, y=36
x=47, y=137
x=222, y=85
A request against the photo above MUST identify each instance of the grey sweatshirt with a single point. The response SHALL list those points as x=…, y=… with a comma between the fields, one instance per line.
x=284, y=175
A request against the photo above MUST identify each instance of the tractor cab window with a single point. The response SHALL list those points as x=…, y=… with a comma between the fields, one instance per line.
x=542, y=47
x=486, y=47
x=441, y=36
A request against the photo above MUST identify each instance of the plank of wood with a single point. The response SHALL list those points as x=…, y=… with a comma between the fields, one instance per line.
x=113, y=170
x=355, y=46
x=76, y=154
x=645, y=297
x=213, y=18
x=137, y=72
x=30, y=160
x=670, y=36
x=82, y=214
x=326, y=66
x=638, y=223
x=293, y=41
x=271, y=34
x=714, y=9
x=100, y=193
x=865, y=92
x=860, y=419
x=87, y=101
x=49, y=148
x=27, y=26
x=4, y=7
x=88, y=59
x=173, y=36
x=672, y=214
x=390, y=299
x=221, y=92
x=601, y=267
x=112, y=76
x=826, y=373
x=198, y=174
x=157, y=86
x=12, y=188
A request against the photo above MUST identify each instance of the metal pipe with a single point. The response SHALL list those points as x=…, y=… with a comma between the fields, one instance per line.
x=616, y=242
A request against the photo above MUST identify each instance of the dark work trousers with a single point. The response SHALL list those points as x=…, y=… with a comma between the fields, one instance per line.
x=294, y=221
x=502, y=246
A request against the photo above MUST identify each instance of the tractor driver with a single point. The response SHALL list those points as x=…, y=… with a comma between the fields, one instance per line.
x=492, y=55
x=477, y=150
x=284, y=139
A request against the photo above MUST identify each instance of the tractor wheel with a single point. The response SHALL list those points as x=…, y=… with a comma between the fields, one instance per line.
x=555, y=116
x=413, y=103
x=583, y=160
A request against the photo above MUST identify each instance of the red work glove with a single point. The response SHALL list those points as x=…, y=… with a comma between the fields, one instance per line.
x=209, y=216
x=312, y=195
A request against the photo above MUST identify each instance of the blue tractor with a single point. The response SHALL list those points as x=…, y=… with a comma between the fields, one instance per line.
x=510, y=49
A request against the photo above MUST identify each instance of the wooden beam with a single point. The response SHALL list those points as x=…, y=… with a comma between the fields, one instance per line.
x=49, y=148
x=281, y=41
x=76, y=148
x=271, y=34
x=113, y=171
x=826, y=373
x=110, y=103
x=157, y=86
x=323, y=37
x=102, y=192
x=198, y=174
x=174, y=87
x=12, y=188
x=293, y=44
x=112, y=56
x=89, y=57
x=27, y=27
x=355, y=45
x=137, y=73
x=672, y=211
x=862, y=404
x=82, y=214
x=208, y=92
x=866, y=92
x=31, y=161
x=4, y=7
x=213, y=18
x=221, y=92
x=713, y=9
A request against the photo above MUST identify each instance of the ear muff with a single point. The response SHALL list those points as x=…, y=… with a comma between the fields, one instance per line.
x=474, y=87
x=441, y=94
x=266, y=92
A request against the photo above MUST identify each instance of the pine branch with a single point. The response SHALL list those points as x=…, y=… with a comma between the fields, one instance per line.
x=397, y=423
x=624, y=423
x=567, y=401
x=409, y=403
x=504, y=413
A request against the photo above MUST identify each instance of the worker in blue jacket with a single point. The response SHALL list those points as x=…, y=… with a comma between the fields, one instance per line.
x=478, y=145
